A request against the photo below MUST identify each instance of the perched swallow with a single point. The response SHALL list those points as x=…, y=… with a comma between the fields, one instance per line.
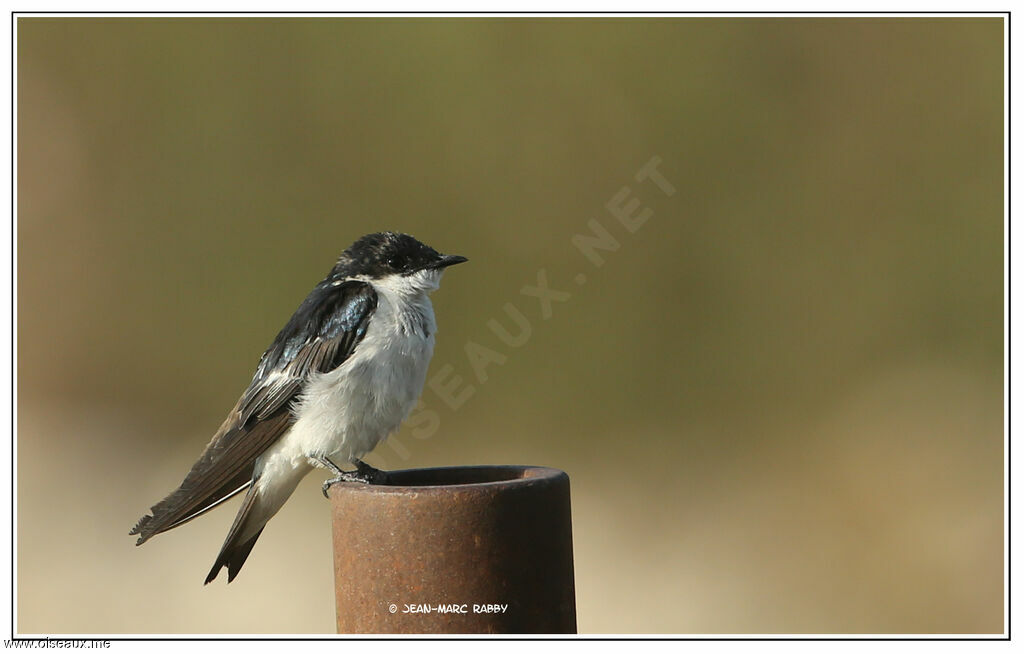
x=343, y=374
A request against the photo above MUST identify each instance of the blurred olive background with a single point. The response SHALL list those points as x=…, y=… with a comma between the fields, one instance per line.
x=780, y=401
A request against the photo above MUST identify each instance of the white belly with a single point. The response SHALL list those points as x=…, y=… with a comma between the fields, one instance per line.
x=345, y=413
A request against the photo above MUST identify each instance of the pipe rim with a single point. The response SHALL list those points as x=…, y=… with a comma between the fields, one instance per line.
x=446, y=479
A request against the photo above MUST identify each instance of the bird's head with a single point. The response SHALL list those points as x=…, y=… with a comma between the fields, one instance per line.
x=396, y=260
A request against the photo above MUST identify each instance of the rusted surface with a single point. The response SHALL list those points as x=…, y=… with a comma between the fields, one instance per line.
x=490, y=546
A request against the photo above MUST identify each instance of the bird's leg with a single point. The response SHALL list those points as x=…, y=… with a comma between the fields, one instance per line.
x=369, y=474
x=340, y=475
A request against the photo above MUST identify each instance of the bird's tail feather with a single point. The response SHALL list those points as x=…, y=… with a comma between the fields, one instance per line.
x=240, y=539
x=265, y=497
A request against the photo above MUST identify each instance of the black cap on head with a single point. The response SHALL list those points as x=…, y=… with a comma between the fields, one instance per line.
x=389, y=253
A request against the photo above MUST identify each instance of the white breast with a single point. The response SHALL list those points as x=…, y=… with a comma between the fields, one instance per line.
x=345, y=413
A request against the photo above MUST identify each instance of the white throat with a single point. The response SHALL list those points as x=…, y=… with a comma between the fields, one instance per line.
x=421, y=282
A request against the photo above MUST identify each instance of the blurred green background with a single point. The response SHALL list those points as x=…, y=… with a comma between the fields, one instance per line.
x=780, y=401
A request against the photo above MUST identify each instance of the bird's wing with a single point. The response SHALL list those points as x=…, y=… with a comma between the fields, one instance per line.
x=320, y=336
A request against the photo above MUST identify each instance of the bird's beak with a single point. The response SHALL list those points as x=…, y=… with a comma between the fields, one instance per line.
x=449, y=260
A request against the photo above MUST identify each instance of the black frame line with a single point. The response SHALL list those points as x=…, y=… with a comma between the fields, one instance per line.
x=341, y=637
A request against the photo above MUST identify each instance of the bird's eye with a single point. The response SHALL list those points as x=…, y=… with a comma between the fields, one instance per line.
x=396, y=262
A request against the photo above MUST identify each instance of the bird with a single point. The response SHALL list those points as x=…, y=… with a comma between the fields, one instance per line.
x=343, y=374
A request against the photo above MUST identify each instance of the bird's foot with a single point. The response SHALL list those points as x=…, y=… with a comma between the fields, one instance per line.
x=344, y=476
x=363, y=474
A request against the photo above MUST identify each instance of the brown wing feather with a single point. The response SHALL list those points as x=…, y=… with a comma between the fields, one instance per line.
x=259, y=418
x=320, y=336
x=225, y=468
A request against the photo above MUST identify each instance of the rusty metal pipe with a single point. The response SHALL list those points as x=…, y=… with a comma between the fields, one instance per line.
x=482, y=549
